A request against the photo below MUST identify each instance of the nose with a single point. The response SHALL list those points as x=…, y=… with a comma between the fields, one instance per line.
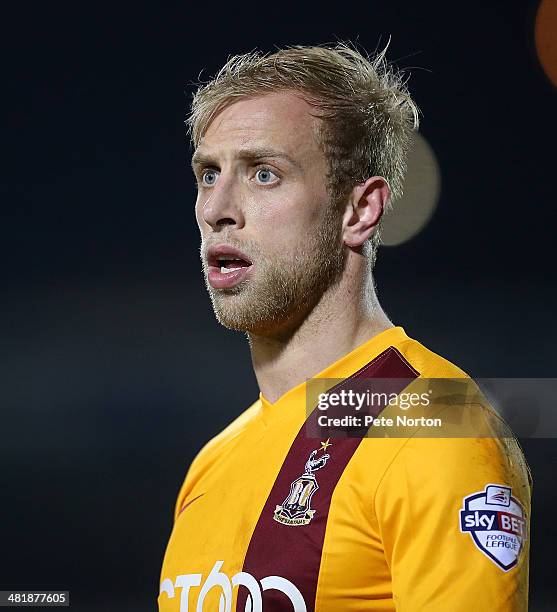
x=223, y=206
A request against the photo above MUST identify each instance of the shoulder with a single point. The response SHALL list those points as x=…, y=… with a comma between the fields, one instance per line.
x=425, y=361
x=228, y=437
x=214, y=451
x=231, y=432
x=443, y=462
x=479, y=447
x=433, y=475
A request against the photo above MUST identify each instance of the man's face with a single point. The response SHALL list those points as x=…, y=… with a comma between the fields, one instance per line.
x=262, y=190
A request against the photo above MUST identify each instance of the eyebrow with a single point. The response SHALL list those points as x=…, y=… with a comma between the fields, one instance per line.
x=249, y=154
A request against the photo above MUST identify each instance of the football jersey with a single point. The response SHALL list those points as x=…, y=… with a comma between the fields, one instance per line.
x=270, y=519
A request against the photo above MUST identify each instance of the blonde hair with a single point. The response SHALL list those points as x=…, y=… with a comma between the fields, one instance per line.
x=367, y=113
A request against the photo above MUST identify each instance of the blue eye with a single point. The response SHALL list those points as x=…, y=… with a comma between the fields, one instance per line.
x=209, y=177
x=266, y=176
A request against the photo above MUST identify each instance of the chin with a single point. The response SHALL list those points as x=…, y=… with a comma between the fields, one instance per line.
x=231, y=314
x=248, y=319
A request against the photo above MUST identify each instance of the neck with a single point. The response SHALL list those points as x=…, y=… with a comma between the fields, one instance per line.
x=346, y=316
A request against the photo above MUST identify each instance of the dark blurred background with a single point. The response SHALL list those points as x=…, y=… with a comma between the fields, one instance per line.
x=114, y=371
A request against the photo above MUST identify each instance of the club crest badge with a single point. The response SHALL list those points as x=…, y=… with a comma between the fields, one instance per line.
x=497, y=524
x=296, y=508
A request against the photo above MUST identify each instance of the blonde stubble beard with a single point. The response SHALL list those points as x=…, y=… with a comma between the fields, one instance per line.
x=284, y=288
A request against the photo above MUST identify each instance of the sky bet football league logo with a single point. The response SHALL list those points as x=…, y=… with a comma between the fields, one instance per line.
x=495, y=520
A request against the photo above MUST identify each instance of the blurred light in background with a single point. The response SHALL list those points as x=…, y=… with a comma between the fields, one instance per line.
x=422, y=186
x=546, y=38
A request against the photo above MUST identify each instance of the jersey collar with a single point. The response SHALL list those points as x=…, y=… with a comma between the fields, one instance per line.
x=345, y=366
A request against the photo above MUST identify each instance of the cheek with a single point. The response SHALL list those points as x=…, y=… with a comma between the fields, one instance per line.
x=288, y=210
x=282, y=224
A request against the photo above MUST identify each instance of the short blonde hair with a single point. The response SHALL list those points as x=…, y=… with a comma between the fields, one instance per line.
x=367, y=113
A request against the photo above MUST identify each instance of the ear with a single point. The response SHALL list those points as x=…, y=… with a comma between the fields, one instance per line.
x=364, y=209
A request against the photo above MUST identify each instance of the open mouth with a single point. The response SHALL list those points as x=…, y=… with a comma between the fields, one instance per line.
x=228, y=266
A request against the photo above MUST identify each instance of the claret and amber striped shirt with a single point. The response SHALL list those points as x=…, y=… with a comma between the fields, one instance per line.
x=269, y=519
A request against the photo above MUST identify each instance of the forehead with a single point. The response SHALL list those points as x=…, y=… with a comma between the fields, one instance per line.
x=280, y=120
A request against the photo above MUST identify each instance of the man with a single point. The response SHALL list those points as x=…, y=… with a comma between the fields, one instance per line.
x=297, y=157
